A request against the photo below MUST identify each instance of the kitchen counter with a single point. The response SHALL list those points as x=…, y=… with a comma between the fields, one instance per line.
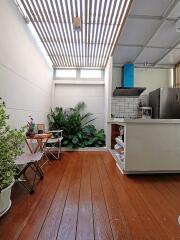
x=151, y=145
x=146, y=121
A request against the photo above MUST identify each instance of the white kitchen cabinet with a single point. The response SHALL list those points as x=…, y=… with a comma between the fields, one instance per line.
x=151, y=145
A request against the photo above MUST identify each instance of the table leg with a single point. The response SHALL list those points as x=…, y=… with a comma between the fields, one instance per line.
x=30, y=149
x=39, y=145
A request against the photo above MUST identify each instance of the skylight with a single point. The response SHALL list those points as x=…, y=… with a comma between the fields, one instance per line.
x=101, y=24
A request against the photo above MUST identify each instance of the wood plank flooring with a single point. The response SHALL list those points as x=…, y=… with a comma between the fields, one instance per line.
x=84, y=196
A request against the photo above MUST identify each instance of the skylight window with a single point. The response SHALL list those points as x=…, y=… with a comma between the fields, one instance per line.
x=65, y=73
x=90, y=73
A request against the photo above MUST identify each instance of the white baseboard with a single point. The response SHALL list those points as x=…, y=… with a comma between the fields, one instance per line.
x=87, y=149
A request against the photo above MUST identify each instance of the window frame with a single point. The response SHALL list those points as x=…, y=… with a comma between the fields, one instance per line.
x=92, y=78
x=78, y=78
x=56, y=69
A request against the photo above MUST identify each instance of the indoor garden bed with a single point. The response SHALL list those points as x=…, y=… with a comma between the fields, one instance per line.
x=77, y=130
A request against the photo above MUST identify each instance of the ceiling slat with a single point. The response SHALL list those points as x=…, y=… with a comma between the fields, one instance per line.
x=90, y=47
x=75, y=41
x=85, y=35
x=77, y=7
x=89, y=30
x=63, y=29
x=107, y=22
x=53, y=17
x=101, y=12
x=44, y=26
x=56, y=25
x=121, y=19
x=66, y=33
x=52, y=30
x=69, y=17
x=39, y=30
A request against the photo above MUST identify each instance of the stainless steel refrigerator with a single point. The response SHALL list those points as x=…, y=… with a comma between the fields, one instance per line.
x=165, y=103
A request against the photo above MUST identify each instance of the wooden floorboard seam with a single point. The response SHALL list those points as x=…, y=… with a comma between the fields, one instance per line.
x=51, y=226
x=85, y=197
x=147, y=214
x=64, y=204
x=85, y=204
x=120, y=229
x=104, y=231
x=32, y=213
x=78, y=200
x=158, y=206
x=75, y=183
x=92, y=202
x=52, y=200
x=104, y=199
x=127, y=199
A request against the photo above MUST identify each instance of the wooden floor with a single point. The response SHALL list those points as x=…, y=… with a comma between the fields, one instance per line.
x=84, y=196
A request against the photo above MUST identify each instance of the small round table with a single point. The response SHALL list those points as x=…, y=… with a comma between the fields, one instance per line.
x=41, y=139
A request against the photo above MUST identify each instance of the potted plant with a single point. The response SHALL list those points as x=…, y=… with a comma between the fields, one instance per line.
x=10, y=147
x=31, y=127
x=77, y=130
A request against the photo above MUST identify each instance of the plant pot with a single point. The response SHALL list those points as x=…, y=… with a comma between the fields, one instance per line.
x=5, y=199
x=30, y=134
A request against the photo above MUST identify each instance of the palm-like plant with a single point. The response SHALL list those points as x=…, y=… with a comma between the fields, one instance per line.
x=74, y=124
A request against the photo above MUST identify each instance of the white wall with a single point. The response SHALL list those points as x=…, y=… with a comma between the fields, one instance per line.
x=116, y=77
x=25, y=76
x=108, y=87
x=108, y=97
x=145, y=77
x=68, y=95
x=153, y=78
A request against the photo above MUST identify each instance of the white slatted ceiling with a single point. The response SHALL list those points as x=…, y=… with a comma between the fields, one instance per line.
x=102, y=21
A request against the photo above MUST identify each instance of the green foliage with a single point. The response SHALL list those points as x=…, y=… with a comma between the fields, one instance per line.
x=10, y=147
x=77, y=132
x=30, y=126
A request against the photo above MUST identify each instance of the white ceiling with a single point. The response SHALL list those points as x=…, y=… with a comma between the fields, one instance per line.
x=149, y=36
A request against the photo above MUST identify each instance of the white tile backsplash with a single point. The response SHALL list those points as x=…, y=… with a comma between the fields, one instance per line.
x=125, y=107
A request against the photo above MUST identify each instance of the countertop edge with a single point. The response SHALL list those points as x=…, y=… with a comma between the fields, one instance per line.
x=143, y=121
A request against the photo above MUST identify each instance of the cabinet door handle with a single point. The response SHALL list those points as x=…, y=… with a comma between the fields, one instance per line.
x=177, y=97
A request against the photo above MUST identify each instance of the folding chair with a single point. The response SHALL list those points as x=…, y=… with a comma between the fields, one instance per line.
x=53, y=144
x=24, y=162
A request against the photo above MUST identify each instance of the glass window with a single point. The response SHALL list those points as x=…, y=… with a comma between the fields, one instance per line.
x=65, y=73
x=90, y=73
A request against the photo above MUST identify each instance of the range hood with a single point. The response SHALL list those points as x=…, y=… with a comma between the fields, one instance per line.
x=127, y=88
x=128, y=91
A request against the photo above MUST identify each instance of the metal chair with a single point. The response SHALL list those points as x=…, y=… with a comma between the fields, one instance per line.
x=53, y=144
x=24, y=162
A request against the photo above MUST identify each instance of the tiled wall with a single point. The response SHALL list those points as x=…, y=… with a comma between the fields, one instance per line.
x=125, y=107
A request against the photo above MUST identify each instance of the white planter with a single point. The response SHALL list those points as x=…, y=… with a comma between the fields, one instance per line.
x=5, y=199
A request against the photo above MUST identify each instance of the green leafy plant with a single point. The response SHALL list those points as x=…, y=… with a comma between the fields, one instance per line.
x=10, y=147
x=77, y=130
x=30, y=126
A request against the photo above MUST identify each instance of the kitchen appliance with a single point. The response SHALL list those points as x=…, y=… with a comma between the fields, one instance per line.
x=145, y=112
x=128, y=91
x=127, y=88
x=165, y=103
